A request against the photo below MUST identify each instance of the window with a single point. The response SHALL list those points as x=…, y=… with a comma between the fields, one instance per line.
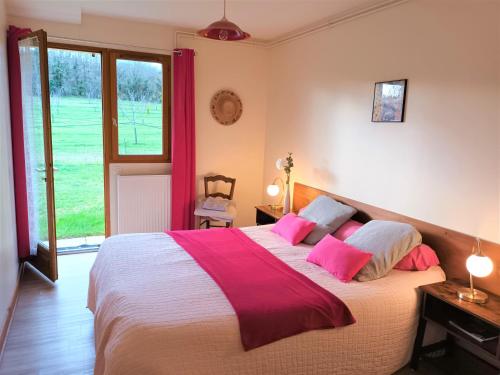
x=140, y=107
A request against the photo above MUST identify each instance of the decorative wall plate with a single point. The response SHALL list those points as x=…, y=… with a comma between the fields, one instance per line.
x=226, y=107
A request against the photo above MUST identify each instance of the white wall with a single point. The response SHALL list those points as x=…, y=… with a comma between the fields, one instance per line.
x=442, y=165
x=106, y=30
x=236, y=150
x=8, y=246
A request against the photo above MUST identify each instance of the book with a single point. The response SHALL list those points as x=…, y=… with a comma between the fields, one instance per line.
x=476, y=330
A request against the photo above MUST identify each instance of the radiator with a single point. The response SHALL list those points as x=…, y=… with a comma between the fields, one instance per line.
x=143, y=203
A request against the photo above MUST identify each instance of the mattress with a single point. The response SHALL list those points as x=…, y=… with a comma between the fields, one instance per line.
x=157, y=312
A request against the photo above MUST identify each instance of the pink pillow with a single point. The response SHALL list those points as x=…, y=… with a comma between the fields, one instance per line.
x=346, y=229
x=340, y=259
x=293, y=228
x=419, y=259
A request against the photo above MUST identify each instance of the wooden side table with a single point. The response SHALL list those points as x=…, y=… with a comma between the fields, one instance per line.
x=442, y=306
x=265, y=214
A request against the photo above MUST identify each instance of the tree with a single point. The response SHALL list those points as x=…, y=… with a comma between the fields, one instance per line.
x=139, y=83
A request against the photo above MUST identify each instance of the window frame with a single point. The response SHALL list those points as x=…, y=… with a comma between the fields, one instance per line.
x=165, y=60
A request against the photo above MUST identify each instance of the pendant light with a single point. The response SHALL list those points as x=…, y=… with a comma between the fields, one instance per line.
x=223, y=30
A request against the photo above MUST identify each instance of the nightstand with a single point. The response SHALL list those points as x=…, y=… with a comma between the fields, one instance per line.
x=441, y=305
x=265, y=214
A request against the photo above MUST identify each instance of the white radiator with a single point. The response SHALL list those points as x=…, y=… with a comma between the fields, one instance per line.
x=144, y=203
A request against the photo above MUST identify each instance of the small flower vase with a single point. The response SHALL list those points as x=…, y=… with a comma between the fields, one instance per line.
x=286, y=203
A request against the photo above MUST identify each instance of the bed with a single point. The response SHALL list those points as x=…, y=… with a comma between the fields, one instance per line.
x=157, y=312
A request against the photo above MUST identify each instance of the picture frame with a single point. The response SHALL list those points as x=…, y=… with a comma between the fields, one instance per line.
x=389, y=101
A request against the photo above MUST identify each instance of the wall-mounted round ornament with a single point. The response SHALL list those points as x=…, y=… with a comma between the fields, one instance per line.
x=226, y=107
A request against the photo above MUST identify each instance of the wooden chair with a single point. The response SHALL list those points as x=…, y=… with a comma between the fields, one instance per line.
x=206, y=216
x=214, y=179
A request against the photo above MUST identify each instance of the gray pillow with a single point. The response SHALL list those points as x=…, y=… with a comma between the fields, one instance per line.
x=328, y=214
x=388, y=241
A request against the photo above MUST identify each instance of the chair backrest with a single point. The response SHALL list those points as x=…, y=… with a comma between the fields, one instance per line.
x=227, y=180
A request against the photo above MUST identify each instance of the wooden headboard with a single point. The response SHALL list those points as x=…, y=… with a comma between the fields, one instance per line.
x=452, y=247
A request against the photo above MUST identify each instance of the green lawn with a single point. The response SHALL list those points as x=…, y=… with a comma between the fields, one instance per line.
x=79, y=180
x=78, y=156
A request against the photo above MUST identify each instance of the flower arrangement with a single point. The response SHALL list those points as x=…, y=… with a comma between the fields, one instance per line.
x=286, y=165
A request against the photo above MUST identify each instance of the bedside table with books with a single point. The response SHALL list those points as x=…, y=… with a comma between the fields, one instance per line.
x=476, y=326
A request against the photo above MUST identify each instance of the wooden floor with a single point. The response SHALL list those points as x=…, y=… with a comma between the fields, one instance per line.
x=52, y=330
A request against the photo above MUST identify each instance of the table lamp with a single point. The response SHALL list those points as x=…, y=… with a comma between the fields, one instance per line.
x=478, y=265
x=273, y=190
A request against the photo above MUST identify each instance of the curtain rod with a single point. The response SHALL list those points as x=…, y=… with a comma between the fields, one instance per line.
x=115, y=45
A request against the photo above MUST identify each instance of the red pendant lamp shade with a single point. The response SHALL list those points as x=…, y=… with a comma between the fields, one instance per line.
x=223, y=30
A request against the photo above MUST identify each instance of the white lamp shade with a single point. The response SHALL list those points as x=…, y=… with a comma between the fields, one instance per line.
x=273, y=190
x=280, y=164
x=479, y=265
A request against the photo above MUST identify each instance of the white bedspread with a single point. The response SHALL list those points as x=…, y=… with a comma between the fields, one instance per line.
x=157, y=312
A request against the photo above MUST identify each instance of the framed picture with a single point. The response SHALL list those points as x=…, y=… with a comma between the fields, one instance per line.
x=389, y=101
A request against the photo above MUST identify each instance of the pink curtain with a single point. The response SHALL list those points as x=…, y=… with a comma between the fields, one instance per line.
x=183, y=142
x=16, y=115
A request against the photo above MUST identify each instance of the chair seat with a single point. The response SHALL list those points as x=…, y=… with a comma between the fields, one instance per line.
x=226, y=216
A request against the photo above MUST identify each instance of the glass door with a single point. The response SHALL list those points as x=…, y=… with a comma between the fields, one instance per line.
x=38, y=152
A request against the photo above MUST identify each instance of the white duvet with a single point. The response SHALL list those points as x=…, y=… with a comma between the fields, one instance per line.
x=157, y=312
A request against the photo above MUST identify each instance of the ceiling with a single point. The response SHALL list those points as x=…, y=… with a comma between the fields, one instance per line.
x=265, y=20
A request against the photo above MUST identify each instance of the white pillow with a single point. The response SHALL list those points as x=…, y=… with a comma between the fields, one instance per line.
x=388, y=241
x=328, y=214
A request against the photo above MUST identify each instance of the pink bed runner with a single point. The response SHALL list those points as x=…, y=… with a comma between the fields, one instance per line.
x=272, y=300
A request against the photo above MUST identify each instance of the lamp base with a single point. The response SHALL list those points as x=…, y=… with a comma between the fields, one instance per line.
x=275, y=207
x=473, y=295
